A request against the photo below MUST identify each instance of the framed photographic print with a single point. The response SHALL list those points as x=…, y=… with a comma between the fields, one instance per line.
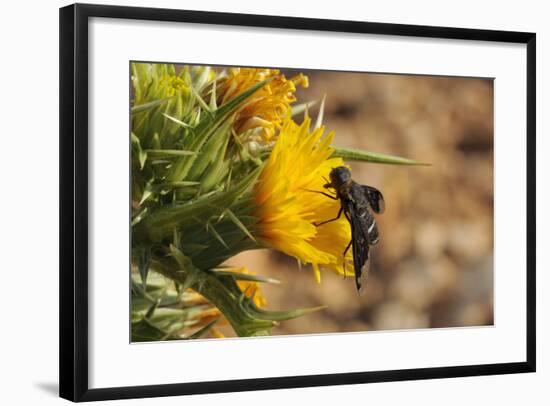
x=238, y=191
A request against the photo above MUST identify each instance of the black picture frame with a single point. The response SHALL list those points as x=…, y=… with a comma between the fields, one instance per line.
x=73, y=280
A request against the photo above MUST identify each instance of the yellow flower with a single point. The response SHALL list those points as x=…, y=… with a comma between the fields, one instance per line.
x=172, y=85
x=216, y=333
x=269, y=106
x=286, y=206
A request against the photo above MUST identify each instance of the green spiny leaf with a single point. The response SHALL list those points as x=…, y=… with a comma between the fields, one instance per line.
x=175, y=120
x=168, y=153
x=239, y=224
x=199, y=333
x=210, y=228
x=161, y=223
x=300, y=108
x=143, y=262
x=213, y=151
x=245, y=276
x=213, y=104
x=202, y=103
x=353, y=154
x=138, y=217
x=138, y=151
x=206, y=127
x=148, y=106
x=319, y=121
x=231, y=105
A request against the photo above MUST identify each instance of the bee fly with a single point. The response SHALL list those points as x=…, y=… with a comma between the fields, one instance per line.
x=356, y=202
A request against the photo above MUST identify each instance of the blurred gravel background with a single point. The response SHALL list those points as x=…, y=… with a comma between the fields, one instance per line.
x=433, y=266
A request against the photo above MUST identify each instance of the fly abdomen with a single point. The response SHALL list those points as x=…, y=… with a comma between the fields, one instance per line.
x=368, y=224
x=372, y=228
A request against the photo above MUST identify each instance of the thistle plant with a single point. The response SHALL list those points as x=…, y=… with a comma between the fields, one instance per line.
x=220, y=166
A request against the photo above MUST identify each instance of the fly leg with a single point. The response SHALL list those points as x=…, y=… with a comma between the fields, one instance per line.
x=349, y=245
x=328, y=221
x=323, y=193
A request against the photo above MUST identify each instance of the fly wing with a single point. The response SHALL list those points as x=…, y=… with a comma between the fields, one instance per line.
x=375, y=199
x=360, y=242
